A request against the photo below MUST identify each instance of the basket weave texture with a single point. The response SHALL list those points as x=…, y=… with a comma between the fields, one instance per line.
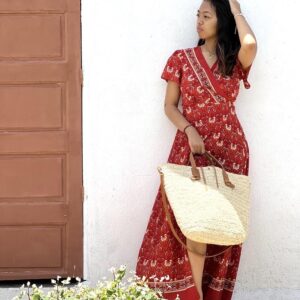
x=207, y=210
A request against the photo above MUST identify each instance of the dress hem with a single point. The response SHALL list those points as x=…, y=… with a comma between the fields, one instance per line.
x=190, y=293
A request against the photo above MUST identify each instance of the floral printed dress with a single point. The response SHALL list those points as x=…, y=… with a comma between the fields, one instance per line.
x=208, y=103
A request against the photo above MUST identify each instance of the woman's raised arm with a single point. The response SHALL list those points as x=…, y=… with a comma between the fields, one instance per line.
x=248, y=41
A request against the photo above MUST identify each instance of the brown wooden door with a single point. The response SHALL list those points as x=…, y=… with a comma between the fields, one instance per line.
x=41, y=208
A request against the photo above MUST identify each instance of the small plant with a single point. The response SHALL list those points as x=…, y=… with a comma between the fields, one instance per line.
x=136, y=288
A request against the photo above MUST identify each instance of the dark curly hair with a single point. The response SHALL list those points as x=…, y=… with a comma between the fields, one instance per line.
x=228, y=43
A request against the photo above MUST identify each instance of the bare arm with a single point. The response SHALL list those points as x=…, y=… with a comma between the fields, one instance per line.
x=171, y=106
x=247, y=38
x=176, y=117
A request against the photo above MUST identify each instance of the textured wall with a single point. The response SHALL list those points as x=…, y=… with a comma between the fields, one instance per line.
x=126, y=134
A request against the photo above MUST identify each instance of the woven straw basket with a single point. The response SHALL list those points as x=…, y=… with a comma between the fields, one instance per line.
x=210, y=205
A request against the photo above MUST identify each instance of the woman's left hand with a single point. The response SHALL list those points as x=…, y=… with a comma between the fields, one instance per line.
x=235, y=6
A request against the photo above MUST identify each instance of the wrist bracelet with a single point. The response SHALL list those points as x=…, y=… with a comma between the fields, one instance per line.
x=238, y=14
x=187, y=127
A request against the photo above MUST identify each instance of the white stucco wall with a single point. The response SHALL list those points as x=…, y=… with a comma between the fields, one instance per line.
x=126, y=134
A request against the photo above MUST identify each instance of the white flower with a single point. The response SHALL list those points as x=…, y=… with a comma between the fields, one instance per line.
x=58, y=277
x=53, y=281
x=28, y=283
x=66, y=281
x=112, y=269
x=78, y=279
x=123, y=267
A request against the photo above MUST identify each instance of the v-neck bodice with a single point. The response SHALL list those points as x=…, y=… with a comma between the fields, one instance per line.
x=189, y=69
x=199, y=50
x=208, y=103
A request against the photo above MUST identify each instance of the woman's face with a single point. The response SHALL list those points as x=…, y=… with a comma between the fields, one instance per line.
x=207, y=20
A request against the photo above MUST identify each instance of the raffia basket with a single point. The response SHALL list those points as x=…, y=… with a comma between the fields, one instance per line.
x=210, y=205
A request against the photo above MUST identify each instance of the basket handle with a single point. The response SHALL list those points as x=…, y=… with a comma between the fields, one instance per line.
x=196, y=173
x=164, y=200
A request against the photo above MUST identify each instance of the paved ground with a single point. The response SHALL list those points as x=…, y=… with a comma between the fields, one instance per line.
x=266, y=294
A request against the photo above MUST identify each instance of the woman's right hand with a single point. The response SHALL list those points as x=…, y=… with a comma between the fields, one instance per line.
x=195, y=140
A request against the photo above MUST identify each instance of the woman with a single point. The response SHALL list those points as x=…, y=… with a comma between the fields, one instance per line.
x=208, y=78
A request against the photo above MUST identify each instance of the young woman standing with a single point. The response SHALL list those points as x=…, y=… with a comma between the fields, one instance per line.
x=208, y=78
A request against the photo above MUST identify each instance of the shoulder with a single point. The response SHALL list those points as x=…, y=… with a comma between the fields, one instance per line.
x=175, y=57
x=182, y=51
x=177, y=53
x=180, y=54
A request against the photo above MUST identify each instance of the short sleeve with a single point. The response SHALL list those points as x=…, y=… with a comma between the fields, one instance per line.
x=243, y=74
x=173, y=70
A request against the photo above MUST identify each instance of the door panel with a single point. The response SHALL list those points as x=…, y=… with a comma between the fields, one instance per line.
x=41, y=193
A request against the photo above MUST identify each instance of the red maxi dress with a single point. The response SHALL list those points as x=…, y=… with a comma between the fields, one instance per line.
x=208, y=103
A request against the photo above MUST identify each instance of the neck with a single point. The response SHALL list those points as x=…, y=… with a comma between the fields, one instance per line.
x=211, y=44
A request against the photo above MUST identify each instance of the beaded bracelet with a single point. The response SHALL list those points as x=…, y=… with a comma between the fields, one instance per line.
x=187, y=127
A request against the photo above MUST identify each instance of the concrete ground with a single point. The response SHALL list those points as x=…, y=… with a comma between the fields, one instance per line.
x=266, y=294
